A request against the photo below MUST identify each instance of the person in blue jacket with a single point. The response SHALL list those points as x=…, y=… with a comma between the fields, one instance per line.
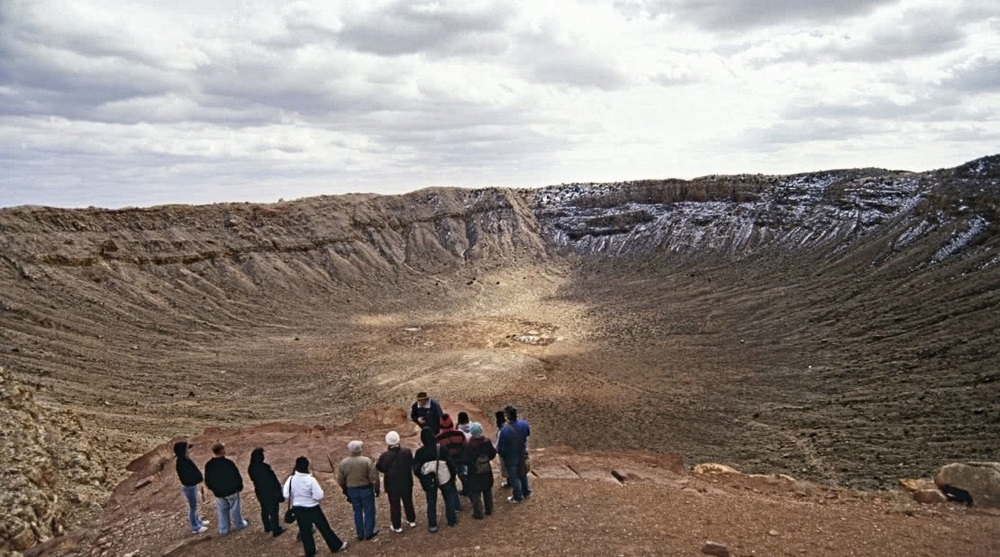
x=426, y=412
x=512, y=446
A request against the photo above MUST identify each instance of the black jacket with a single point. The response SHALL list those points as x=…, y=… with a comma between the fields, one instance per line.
x=395, y=465
x=266, y=486
x=187, y=471
x=223, y=477
x=478, y=446
x=431, y=451
x=431, y=415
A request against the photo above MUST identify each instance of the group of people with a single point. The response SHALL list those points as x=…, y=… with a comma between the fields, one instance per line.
x=454, y=458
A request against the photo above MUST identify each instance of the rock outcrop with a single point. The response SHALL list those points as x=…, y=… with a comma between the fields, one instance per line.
x=980, y=481
x=52, y=474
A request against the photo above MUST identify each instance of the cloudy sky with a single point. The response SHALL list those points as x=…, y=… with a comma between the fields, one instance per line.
x=131, y=103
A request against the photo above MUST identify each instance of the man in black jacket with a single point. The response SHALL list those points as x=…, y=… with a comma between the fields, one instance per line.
x=426, y=412
x=224, y=479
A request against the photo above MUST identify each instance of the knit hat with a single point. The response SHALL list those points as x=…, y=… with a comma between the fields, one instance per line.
x=355, y=447
x=446, y=422
x=476, y=429
x=392, y=438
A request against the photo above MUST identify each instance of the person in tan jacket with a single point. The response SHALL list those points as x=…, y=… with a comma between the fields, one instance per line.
x=358, y=478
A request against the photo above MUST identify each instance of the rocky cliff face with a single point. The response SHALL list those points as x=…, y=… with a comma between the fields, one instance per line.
x=352, y=237
x=52, y=473
x=737, y=216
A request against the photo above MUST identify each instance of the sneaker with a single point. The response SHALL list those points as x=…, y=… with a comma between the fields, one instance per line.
x=374, y=533
x=201, y=530
x=432, y=529
x=279, y=532
x=412, y=525
x=245, y=524
x=342, y=547
x=512, y=500
x=505, y=484
x=205, y=523
x=397, y=530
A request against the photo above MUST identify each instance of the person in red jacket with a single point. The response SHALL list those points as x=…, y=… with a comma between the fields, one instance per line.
x=453, y=441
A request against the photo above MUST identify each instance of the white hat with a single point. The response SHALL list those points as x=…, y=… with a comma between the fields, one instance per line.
x=355, y=447
x=392, y=438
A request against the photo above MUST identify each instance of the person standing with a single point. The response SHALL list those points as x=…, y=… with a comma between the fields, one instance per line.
x=464, y=424
x=304, y=494
x=267, y=488
x=453, y=441
x=224, y=479
x=430, y=451
x=426, y=412
x=513, y=448
x=190, y=476
x=477, y=456
x=395, y=464
x=501, y=420
x=358, y=477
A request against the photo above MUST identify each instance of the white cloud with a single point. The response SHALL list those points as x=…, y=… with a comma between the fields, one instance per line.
x=192, y=101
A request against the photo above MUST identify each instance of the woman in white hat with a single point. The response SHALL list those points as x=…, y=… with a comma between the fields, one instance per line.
x=395, y=464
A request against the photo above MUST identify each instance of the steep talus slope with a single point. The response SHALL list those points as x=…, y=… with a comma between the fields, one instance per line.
x=126, y=316
x=838, y=326
x=848, y=336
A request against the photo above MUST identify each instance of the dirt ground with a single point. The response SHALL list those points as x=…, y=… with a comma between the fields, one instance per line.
x=583, y=503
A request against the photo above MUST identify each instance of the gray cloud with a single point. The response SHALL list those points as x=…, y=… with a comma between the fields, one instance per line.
x=806, y=130
x=982, y=74
x=936, y=106
x=724, y=15
x=918, y=35
x=402, y=27
x=914, y=34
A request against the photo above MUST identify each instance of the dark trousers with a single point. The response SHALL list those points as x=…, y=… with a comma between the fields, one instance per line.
x=450, y=494
x=479, y=498
x=269, y=516
x=306, y=518
x=394, y=508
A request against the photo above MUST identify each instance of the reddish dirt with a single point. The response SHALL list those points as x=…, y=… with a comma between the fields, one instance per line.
x=628, y=504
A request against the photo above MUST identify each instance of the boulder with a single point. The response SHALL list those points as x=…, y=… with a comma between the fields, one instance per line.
x=916, y=484
x=715, y=548
x=980, y=480
x=713, y=468
x=929, y=496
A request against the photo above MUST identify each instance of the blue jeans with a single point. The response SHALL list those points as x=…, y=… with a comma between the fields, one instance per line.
x=226, y=508
x=450, y=493
x=191, y=495
x=518, y=481
x=363, y=503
